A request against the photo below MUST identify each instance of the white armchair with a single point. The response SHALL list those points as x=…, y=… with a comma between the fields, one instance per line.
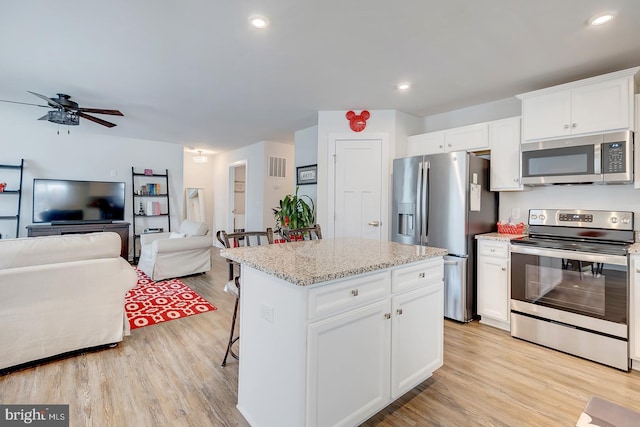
x=168, y=255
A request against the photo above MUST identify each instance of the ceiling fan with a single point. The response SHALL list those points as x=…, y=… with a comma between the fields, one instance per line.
x=68, y=112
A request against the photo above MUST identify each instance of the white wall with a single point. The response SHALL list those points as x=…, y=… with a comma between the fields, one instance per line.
x=262, y=192
x=306, y=153
x=331, y=124
x=200, y=175
x=80, y=155
x=501, y=109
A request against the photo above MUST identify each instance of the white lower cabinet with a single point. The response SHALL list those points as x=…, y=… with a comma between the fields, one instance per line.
x=362, y=359
x=349, y=365
x=337, y=353
x=493, y=276
x=634, y=311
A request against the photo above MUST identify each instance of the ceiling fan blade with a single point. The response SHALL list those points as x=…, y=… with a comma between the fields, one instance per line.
x=25, y=103
x=101, y=111
x=45, y=117
x=96, y=120
x=49, y=100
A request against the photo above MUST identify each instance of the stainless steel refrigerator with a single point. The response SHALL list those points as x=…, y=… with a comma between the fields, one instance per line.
x=443, y=200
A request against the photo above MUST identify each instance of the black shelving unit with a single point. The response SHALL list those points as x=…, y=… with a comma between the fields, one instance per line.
x=141, y=220
x=16, y=193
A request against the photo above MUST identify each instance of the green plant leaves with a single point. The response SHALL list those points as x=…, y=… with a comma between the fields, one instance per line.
x=294, y=212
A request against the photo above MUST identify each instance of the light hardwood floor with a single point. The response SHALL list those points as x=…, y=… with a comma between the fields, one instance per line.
x=170, y=375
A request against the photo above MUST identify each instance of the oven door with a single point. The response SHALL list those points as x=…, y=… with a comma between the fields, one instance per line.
x=562, y=161
x=585, y=290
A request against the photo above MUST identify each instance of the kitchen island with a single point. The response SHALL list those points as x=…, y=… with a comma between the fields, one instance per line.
x=334, y=330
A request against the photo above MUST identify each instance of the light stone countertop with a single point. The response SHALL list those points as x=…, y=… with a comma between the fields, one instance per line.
x=315, y=261
x=498, y=236
x=634, y=249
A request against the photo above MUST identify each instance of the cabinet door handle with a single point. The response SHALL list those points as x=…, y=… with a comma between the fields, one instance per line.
x=399, y=311
x=354, y=292
x=375, y=223
x=492, y=250
x=421, y=275
x=566, y=126
x=574, y=125
x=504, y=269
x=387, y=316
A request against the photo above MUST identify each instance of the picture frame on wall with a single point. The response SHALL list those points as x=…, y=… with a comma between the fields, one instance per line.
x=307, y=174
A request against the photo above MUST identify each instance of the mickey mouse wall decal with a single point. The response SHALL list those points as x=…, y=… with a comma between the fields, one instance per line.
x=358, y=122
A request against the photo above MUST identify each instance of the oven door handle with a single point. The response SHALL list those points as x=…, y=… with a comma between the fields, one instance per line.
x=578, y=256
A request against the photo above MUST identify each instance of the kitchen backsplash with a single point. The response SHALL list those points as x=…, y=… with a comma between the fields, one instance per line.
x=594, y=197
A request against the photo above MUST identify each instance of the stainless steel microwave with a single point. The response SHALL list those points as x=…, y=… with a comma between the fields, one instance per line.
x=604, y=158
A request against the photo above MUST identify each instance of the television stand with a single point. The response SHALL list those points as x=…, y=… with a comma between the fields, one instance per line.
x=122, y=228
x=79, y=222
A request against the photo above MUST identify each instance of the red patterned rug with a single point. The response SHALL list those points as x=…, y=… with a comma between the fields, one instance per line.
x=152, y=302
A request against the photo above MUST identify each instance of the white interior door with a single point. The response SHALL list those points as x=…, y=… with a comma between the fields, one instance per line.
x=358, y=188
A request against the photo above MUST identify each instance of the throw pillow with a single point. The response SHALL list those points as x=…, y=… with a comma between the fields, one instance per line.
x=176, y=235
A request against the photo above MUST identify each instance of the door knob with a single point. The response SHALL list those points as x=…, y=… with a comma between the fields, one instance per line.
x=374, y=223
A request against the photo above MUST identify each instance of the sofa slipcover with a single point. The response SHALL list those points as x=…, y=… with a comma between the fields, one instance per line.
x=168, y=255
x=60, y=294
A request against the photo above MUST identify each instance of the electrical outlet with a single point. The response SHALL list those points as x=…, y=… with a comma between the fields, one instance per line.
x=266, y=312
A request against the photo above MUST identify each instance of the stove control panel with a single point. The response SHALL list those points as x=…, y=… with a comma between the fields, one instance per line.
x=615, y=220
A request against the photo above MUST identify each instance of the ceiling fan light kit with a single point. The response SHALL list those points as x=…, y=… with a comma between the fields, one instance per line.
x=62, y=117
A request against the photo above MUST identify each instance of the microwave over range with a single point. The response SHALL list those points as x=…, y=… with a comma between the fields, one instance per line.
x=604, y=158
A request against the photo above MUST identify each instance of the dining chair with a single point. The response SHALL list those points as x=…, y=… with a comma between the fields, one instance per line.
x=307, y=233
x=235, y=240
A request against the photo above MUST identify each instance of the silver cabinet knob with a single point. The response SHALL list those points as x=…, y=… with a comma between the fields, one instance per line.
x=375, y=223
x=421, y=275
x=399, y=311
x=566, y=126
x=574, y=125
x=387, y=315
x=504, y=269
x=354, y=292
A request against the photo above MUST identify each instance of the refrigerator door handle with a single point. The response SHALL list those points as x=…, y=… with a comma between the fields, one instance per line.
x=451, y=262
x=424, y=202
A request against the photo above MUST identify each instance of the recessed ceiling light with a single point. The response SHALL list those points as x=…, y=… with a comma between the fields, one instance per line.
x=404, y=86
x=258, y=21
x=601, y=19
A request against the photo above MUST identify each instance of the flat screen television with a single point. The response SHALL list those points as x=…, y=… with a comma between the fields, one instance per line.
x=64, y=201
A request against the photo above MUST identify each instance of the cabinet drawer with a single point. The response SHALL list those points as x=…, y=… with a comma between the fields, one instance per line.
x=417, y=275
x=351, y=293
x=496, y=249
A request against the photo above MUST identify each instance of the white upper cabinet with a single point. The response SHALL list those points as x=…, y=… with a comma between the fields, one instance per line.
x=464, y=138
x=467, y=138
x=426, y=143
x=599, y=104
x=504, y=141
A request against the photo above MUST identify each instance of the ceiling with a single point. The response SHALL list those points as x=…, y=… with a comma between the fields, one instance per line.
x=193, y=72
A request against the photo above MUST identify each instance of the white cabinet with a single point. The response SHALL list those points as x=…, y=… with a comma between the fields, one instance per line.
x=465, y=138
x=494, y=283
x=349, y=358
x=504, y=141
x=634, y=310
x=416, y=351
x=336, y=353
x=362, y=359
x=426, y=143
x=599, y=104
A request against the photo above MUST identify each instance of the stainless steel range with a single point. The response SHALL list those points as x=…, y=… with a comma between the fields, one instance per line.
x=570, y=283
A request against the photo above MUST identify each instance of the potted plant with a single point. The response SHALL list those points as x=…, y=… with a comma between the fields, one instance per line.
x=294, y=212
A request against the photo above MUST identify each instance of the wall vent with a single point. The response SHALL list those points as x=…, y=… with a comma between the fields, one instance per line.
x=277, y=167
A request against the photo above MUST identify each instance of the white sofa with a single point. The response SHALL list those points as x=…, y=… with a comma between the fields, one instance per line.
x=168, y=255
x=61, y=293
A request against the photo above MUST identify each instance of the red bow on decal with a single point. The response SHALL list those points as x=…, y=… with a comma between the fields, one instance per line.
x=358, y=122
